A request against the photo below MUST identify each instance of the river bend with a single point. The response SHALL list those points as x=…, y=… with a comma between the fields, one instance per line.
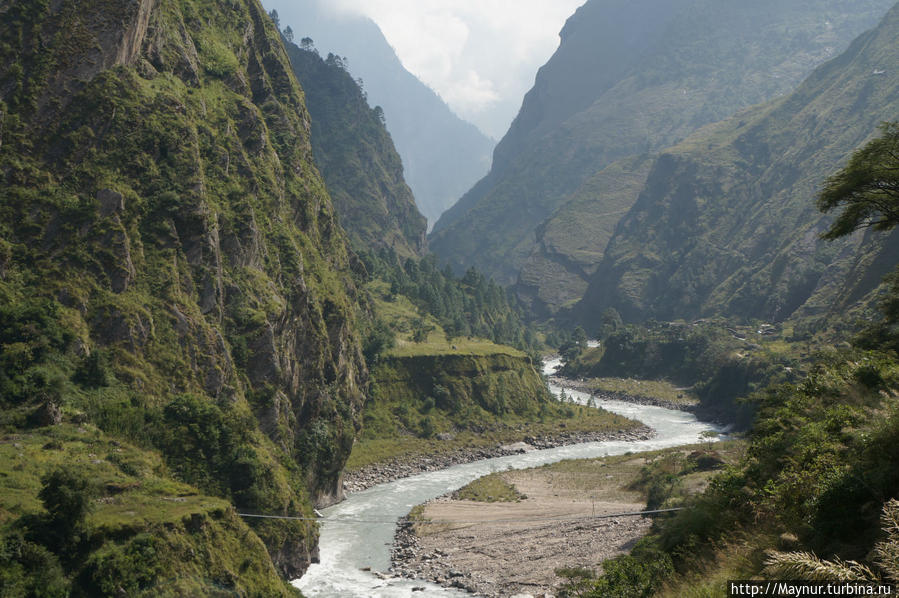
x=357, y=533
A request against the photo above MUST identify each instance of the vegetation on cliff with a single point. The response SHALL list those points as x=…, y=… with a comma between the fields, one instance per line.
x=357, y=159
x=173, y=282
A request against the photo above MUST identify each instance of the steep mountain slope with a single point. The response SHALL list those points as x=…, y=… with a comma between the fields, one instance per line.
x=357, y=159
x=727, y=222
x=571, y=243
x=442, y=155
x=631, y=78
x=172, y=276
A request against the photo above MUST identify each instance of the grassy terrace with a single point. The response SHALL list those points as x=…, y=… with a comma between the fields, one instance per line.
x=438, y=345
x=407, y=416
x=653, y=389
x=129, y=488
x=145, y=532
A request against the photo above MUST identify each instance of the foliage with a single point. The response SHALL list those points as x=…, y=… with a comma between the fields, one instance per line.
x=626, y=576
x=489, y=488
x=378, y=339
x=93, y=371
x=30, y=333
x=866, y=190
x=817, y=468
x=720, y=368
x=471, y=306
x=67, y=496
x=208, y=448
x=30, y=570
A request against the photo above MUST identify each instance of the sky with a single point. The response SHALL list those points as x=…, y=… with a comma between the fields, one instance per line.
x=481, y=56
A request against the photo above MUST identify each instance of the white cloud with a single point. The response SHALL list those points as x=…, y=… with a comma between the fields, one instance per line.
x=479, y=55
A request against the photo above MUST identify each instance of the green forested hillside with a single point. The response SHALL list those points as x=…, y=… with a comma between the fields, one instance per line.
x=727, y=224
x=629, y=78
x=357, y=159
x=176, y=301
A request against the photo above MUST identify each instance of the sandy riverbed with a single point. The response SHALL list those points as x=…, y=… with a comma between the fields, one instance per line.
x=469, y=545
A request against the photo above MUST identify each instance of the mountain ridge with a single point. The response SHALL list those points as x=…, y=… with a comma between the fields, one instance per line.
x=357, y=158
x=727, y=222
x=704, y=61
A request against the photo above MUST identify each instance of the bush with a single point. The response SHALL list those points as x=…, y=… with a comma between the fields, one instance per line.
x=67, y=495
x=30, y=570
x=124, y=570
x=623, y=577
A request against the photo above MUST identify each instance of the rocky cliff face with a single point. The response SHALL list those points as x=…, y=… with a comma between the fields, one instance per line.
x=357, y=159
x=571, y=243
x=629, y=78
x=727, y=222
x=160, y=201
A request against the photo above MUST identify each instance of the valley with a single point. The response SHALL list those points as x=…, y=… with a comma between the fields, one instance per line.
x=357, y=533
x=235, y=361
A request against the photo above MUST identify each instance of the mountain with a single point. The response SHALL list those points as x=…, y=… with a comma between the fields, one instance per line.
x=571, y=243
x=727, y=222
x=629, y=79
x=442, y=154
x=357, y=158
x=177, y=300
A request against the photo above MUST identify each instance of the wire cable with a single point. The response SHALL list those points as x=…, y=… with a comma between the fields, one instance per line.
x=459, y=521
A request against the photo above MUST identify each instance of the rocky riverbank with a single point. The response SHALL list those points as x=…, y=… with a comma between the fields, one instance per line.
x=502, y=549
x=584, y=386
x=398, y=468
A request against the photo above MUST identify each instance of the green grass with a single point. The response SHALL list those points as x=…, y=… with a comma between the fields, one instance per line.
x=490, y=488
x=654, y=389
x=141, y=494
x=438, y=345
x=626, y=477
x=194, y=539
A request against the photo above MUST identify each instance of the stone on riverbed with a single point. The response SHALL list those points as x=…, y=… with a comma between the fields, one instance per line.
x=518, y=447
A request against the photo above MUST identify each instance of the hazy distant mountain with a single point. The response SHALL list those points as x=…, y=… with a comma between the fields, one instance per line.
x=356, y=156
x=630, y=78
x=442, y=154
x=727, y=222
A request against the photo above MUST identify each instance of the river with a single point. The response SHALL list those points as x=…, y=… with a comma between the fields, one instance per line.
x=357, y=533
